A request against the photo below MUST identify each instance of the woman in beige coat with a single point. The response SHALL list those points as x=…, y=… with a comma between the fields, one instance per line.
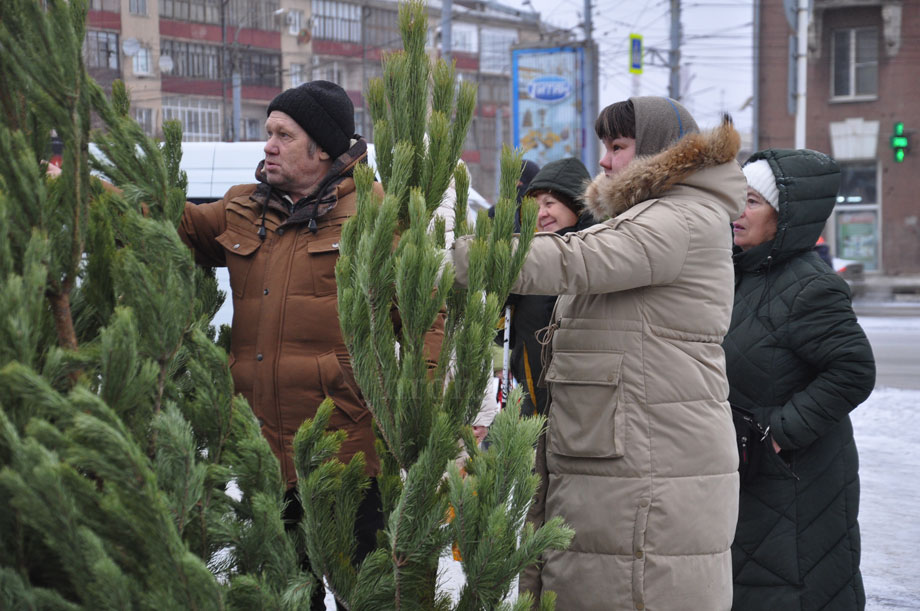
x=639, y=455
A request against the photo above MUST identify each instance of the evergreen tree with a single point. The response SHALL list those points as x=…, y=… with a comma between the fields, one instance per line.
x=120, y=434
x=119, y=430
x=421, y=118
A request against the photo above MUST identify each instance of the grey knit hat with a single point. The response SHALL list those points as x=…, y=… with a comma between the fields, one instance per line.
x=323, y=110
x=660, y=122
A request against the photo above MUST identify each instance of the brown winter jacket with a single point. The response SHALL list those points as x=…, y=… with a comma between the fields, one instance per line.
x=286, y=349
x=639, y=456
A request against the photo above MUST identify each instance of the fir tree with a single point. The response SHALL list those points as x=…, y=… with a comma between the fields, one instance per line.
x=421, y=118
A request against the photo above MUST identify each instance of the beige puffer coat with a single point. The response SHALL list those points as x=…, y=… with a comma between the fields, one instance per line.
x=640, y=456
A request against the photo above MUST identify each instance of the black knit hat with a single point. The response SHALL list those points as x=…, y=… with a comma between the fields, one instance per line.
x=323, y=110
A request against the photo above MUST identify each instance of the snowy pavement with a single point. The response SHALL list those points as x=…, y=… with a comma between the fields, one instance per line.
x=889, y=512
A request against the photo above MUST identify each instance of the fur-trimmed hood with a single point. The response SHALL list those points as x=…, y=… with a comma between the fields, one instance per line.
x=653, y=175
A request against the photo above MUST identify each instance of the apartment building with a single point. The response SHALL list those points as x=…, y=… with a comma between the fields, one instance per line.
x=178, y=57
x=863, y=81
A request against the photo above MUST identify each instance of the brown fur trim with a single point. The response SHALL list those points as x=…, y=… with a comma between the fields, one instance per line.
x=649, y=177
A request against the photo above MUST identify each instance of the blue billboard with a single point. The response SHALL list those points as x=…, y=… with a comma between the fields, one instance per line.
x=548, y=103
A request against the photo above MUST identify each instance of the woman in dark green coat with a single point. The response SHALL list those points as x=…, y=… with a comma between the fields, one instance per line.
x=798, y=359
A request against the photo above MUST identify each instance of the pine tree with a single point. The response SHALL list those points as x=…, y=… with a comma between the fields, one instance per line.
x=421, y=118
x=119, y=430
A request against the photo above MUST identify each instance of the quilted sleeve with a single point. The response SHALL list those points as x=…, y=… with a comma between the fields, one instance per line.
x=199, y=228
x=824, y=333
x=618, y=255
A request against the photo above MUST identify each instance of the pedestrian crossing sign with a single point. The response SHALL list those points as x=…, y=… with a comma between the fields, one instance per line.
x=635, y=53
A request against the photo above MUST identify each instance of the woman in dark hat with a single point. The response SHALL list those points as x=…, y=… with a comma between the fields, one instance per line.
x=558, y=190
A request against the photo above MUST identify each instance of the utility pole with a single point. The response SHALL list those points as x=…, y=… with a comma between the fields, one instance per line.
x=590, y=103
x=801, y=63
x=755, y=90
x=447, y=9
x=674, y=53
x=364, y=111
x=499, y=141
x=237, y=96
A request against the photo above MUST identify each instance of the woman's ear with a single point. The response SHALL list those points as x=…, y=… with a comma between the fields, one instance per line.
x=323, y=155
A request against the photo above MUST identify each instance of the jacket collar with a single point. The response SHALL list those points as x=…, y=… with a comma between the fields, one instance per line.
x=651, y=176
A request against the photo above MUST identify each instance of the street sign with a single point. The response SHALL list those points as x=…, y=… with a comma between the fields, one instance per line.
x=900, y=142
x=635, y=53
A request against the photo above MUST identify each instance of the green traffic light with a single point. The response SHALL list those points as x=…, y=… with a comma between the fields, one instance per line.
x=899, y=142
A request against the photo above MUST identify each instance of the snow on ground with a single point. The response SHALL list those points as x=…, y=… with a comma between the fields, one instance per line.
x=889, y=513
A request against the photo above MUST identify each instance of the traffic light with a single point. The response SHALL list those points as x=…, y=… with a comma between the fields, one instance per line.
x=900, y=142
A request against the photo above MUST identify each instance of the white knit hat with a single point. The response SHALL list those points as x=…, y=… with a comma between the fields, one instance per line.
x=760, y=178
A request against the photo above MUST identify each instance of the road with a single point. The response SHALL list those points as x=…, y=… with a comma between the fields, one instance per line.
x=896, y=344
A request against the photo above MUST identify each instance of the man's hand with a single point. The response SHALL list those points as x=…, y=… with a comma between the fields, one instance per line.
x=53, y=171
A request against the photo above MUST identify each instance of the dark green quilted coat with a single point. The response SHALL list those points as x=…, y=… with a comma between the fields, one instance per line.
x=797, y=357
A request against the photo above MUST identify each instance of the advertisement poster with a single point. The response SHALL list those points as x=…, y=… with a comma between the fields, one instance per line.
x=548, y=86
x=857, y=237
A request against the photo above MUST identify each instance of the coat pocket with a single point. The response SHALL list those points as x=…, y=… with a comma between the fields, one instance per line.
x=586, y=419
x=241, y=251
x=323, y=255
x=336, y=388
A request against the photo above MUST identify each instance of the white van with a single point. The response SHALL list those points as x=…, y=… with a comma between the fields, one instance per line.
x=214, y=167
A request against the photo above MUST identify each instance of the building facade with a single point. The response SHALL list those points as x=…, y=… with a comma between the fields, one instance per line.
x=178, y=59
x=863, y=79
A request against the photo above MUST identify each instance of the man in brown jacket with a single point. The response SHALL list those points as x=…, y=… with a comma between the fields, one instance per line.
x=279, y=238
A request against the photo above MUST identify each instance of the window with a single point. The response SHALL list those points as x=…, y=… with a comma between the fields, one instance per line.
x=200, y=117
x=298, y=74
x=253, y=129
x=327, y=71
x=856, y=216
x=494, y=89
x=201, y=11
x=192, y=60
x=257, y=14
x=333, y=20
x=495, y=55
x=137, y=7
x=295, y=22
x=112, y=6
x=382, y=28
x=855, y=63
x=142, y=62
x=144, y=118
x=463, y=38
x=260, y=68
x=360, y=117
x=101, y=49
x=857, y=184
